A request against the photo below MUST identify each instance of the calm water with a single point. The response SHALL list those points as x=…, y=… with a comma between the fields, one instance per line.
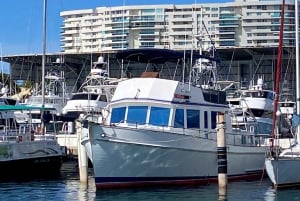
x=67, y=187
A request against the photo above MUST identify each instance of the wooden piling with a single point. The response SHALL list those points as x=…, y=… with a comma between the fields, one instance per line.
x=222, y=155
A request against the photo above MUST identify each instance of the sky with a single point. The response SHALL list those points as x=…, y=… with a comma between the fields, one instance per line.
x=21, y=21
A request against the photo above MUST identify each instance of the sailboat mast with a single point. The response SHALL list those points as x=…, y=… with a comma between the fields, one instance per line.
x=278, y=72
x=297, y=66
x=43, y=64
x=44, y=53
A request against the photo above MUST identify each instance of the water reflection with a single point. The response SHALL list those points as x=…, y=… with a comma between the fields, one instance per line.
x=68, y=187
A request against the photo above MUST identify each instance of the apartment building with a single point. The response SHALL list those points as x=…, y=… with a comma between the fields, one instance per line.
x=242, y=23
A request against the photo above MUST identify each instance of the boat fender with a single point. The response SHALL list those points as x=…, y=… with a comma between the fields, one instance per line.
x=32, y=135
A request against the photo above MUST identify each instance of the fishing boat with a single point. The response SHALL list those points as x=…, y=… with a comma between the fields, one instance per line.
x=255, y=99
x=24, y=151
x=282, y=165
x=163, y=132
x=55, y=97
x=93, y=95
x=252, y=107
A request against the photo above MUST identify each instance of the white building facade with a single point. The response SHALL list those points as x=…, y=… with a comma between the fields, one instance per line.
x=243, y=23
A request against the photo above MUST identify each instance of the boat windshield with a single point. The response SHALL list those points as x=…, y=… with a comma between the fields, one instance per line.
x=158, y=116
x=87, y=96
x=260, y=94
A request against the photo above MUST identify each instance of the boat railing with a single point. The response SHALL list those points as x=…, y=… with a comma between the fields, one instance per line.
x=24, y=133
x=11, y=134
x=233, y=138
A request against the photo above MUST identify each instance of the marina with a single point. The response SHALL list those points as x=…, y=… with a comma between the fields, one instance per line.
x=151, y=122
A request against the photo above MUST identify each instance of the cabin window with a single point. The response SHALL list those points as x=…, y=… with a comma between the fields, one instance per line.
x=103, y=98
x=205, y=120
x=93, y=97
x=159, y=116
x=137, y=114
x=118, y=115
x=193, y=118
x=179, y=118
x=213, y=117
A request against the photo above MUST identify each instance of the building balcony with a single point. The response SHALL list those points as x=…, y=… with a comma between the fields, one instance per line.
x=71, y=32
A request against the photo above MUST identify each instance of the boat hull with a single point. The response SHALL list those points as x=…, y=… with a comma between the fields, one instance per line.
x=124, y=157
x=40, y=167
x=283, y=172
x=27, y=159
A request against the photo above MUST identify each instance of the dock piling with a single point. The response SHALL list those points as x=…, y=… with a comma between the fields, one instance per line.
x=222, y=156
x=82, y=156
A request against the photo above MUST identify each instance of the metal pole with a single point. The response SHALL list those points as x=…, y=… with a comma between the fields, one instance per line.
x=297, y=66
x=43, y=65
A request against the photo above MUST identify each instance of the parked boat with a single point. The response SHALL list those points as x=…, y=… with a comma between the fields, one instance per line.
x=255, y=99
x=282, y=166
x=24, y=151
x=163, y=132
x=55, y=97
x=252, y=108
x=94, y=93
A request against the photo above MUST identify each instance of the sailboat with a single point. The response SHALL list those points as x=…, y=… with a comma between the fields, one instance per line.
x=283, y=167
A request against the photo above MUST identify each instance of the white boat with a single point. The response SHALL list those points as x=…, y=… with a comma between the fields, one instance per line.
x=255, y=99
x=24, y=152
x=94, y=93
x=252, y=108
x=55, y=97
x=163, y=132
x=282, y=166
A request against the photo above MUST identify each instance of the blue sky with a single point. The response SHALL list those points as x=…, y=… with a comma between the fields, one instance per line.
x=21, y=21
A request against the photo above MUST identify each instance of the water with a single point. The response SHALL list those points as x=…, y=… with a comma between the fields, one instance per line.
x=68, y=187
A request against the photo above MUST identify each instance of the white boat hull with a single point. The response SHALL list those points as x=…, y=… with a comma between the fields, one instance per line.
x=283, y=172
x=124, y=157
x=258, y=104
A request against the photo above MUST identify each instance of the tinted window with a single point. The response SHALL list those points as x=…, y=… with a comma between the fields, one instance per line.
x=137, y=114
x=179, y=118
x=118, y=115
x=87, y=96
x=159, y=116
x=193, y=118
x=205, y=119
x=213, y=120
